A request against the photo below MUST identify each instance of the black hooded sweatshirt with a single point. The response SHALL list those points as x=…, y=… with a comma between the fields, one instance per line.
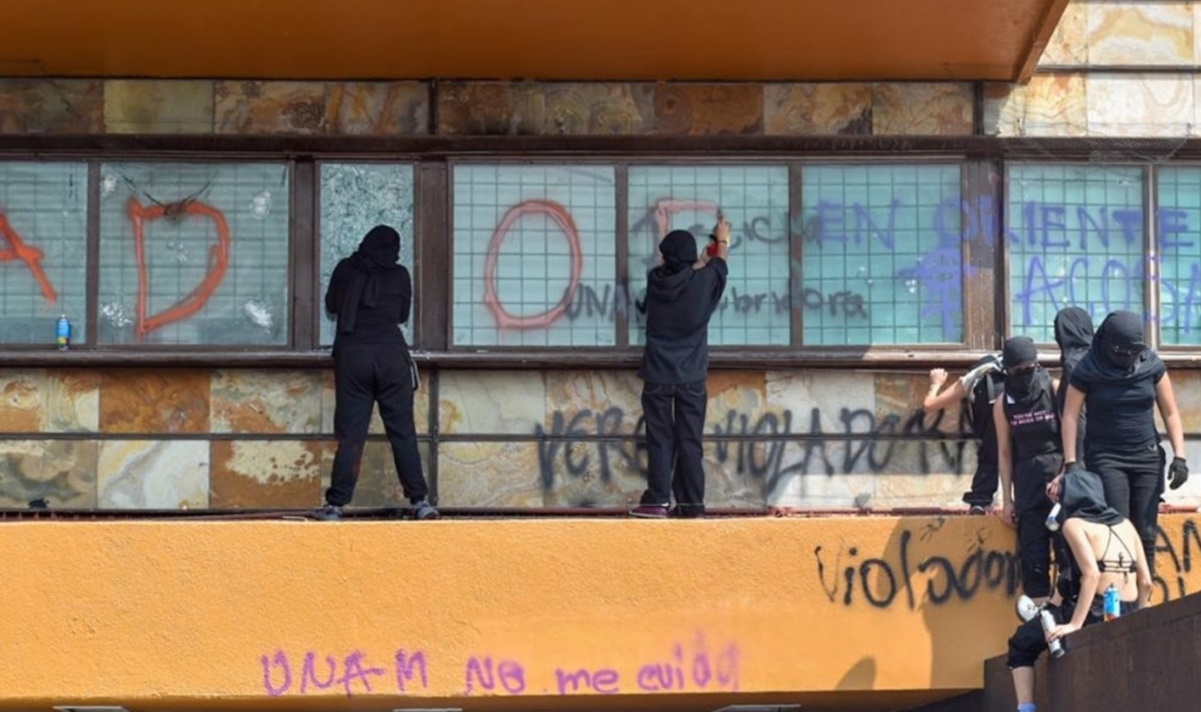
x=1074, y=334
x=370, y=293
x=679, y=302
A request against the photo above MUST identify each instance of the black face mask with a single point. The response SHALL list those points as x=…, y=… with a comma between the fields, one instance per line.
x=1126, y=356
x=1021, y=382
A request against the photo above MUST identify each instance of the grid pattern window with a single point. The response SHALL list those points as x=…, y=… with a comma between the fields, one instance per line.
x=755, y=309
x=883, y=255
x=194, y=253
x=43, y=250
x=356, y=197
x=1178, y=236
x=535, y=256
x=1075, y=236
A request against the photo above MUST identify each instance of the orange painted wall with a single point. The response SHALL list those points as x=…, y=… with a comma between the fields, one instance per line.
x=151, y=613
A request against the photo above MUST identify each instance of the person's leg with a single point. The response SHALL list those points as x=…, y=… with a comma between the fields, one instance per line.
x=986, y=479
x=394, y=392
x=660, y=450
x=1145, y=474
x=1109, y=468
x=1034, y=551
x=1027, y=643
x=352, y=416
x=691, y=400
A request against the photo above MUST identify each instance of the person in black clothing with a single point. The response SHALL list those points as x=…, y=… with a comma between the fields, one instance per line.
x=1029, y=455
x=1120, y=381
x=1074, y=334
x=682, y=293
x=1096, y=547
x=978, y=389
x=371, y=295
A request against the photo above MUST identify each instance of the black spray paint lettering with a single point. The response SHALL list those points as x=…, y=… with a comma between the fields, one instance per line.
x=879, y=581
x=1178, y=555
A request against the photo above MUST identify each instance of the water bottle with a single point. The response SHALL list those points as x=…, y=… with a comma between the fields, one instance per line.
x=1053, y=518
x=1055, y=646
x=63, y=333
x=1113, y=603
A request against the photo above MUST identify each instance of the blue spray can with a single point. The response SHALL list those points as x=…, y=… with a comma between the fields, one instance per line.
x=63, y=333
x=1113, y=603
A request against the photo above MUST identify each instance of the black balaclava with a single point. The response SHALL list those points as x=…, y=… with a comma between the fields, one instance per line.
x=377, y=253
x=1083, y=497
x=1073, y=330
x=1119, y=341
x=1019, y=351
x=678, y=249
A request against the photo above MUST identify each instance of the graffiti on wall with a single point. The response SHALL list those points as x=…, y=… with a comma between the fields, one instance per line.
x=17, y=249
x=696, y=664
x=769, y=447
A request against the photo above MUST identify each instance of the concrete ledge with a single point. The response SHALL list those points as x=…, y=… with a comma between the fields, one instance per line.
x=887, y=613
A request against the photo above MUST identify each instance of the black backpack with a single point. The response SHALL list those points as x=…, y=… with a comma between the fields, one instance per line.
x=985, y=392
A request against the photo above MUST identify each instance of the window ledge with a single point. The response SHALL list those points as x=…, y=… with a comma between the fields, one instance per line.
x=722, y=359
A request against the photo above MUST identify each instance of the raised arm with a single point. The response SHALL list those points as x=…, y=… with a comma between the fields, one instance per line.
x=938, y=401
x=1004, y=461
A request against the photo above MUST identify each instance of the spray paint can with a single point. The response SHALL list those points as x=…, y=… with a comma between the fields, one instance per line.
x=63, y=333
x=1053, y=518
x=1055, y=646
x=1113, y=603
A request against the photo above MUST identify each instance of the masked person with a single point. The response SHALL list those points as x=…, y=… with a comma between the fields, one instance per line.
x=1074, y=334
x=1121, y=381
x=681, y=295
x=1098, y=547
x=979, y=388
x=371, y=295
x=1029, y=456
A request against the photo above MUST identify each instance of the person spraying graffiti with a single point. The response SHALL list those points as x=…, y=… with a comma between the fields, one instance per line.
x=371, y=295
x=1121, y=381
x=1029, y=455
x=1098, y=547
x=682, y=294
x=980, y=387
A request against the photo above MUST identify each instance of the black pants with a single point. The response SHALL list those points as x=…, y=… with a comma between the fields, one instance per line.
x=987, y=477
x=363, y=376
x=1133, y=482
x=1030, y=640
x=1030, y=478
x=675, y=420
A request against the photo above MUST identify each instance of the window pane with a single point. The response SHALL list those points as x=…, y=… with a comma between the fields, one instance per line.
x=755, y=308
x=194, y=253
x=356, y=197
x=883, y=255
x=43, y=250
x=534, y=256
x=1178, y=227
x=1075, y=237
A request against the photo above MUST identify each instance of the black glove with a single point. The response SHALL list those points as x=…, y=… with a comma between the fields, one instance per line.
x=1073, y=466
x=1177, y=473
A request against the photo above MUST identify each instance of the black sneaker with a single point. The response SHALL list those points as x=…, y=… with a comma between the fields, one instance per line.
x=328, y=513
x=423, y=511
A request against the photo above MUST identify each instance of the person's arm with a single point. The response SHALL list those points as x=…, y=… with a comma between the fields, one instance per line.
x=1004, y=461
x=1069, y=422
x=337, y=285
x=938, y=401
x=1143, y=571
x=406, y=295
x=1090, y=577
x=1166, y=397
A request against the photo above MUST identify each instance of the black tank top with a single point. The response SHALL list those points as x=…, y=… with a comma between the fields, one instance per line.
x=1034, y=427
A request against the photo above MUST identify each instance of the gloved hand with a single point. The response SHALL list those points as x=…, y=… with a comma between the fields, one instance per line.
x=1177, y=472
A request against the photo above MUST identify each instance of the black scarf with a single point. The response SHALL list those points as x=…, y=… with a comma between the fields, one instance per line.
x=1022, y=388
x=1074, y=334
x=377, y=253
x=1083, y=497
x=1121, y=333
